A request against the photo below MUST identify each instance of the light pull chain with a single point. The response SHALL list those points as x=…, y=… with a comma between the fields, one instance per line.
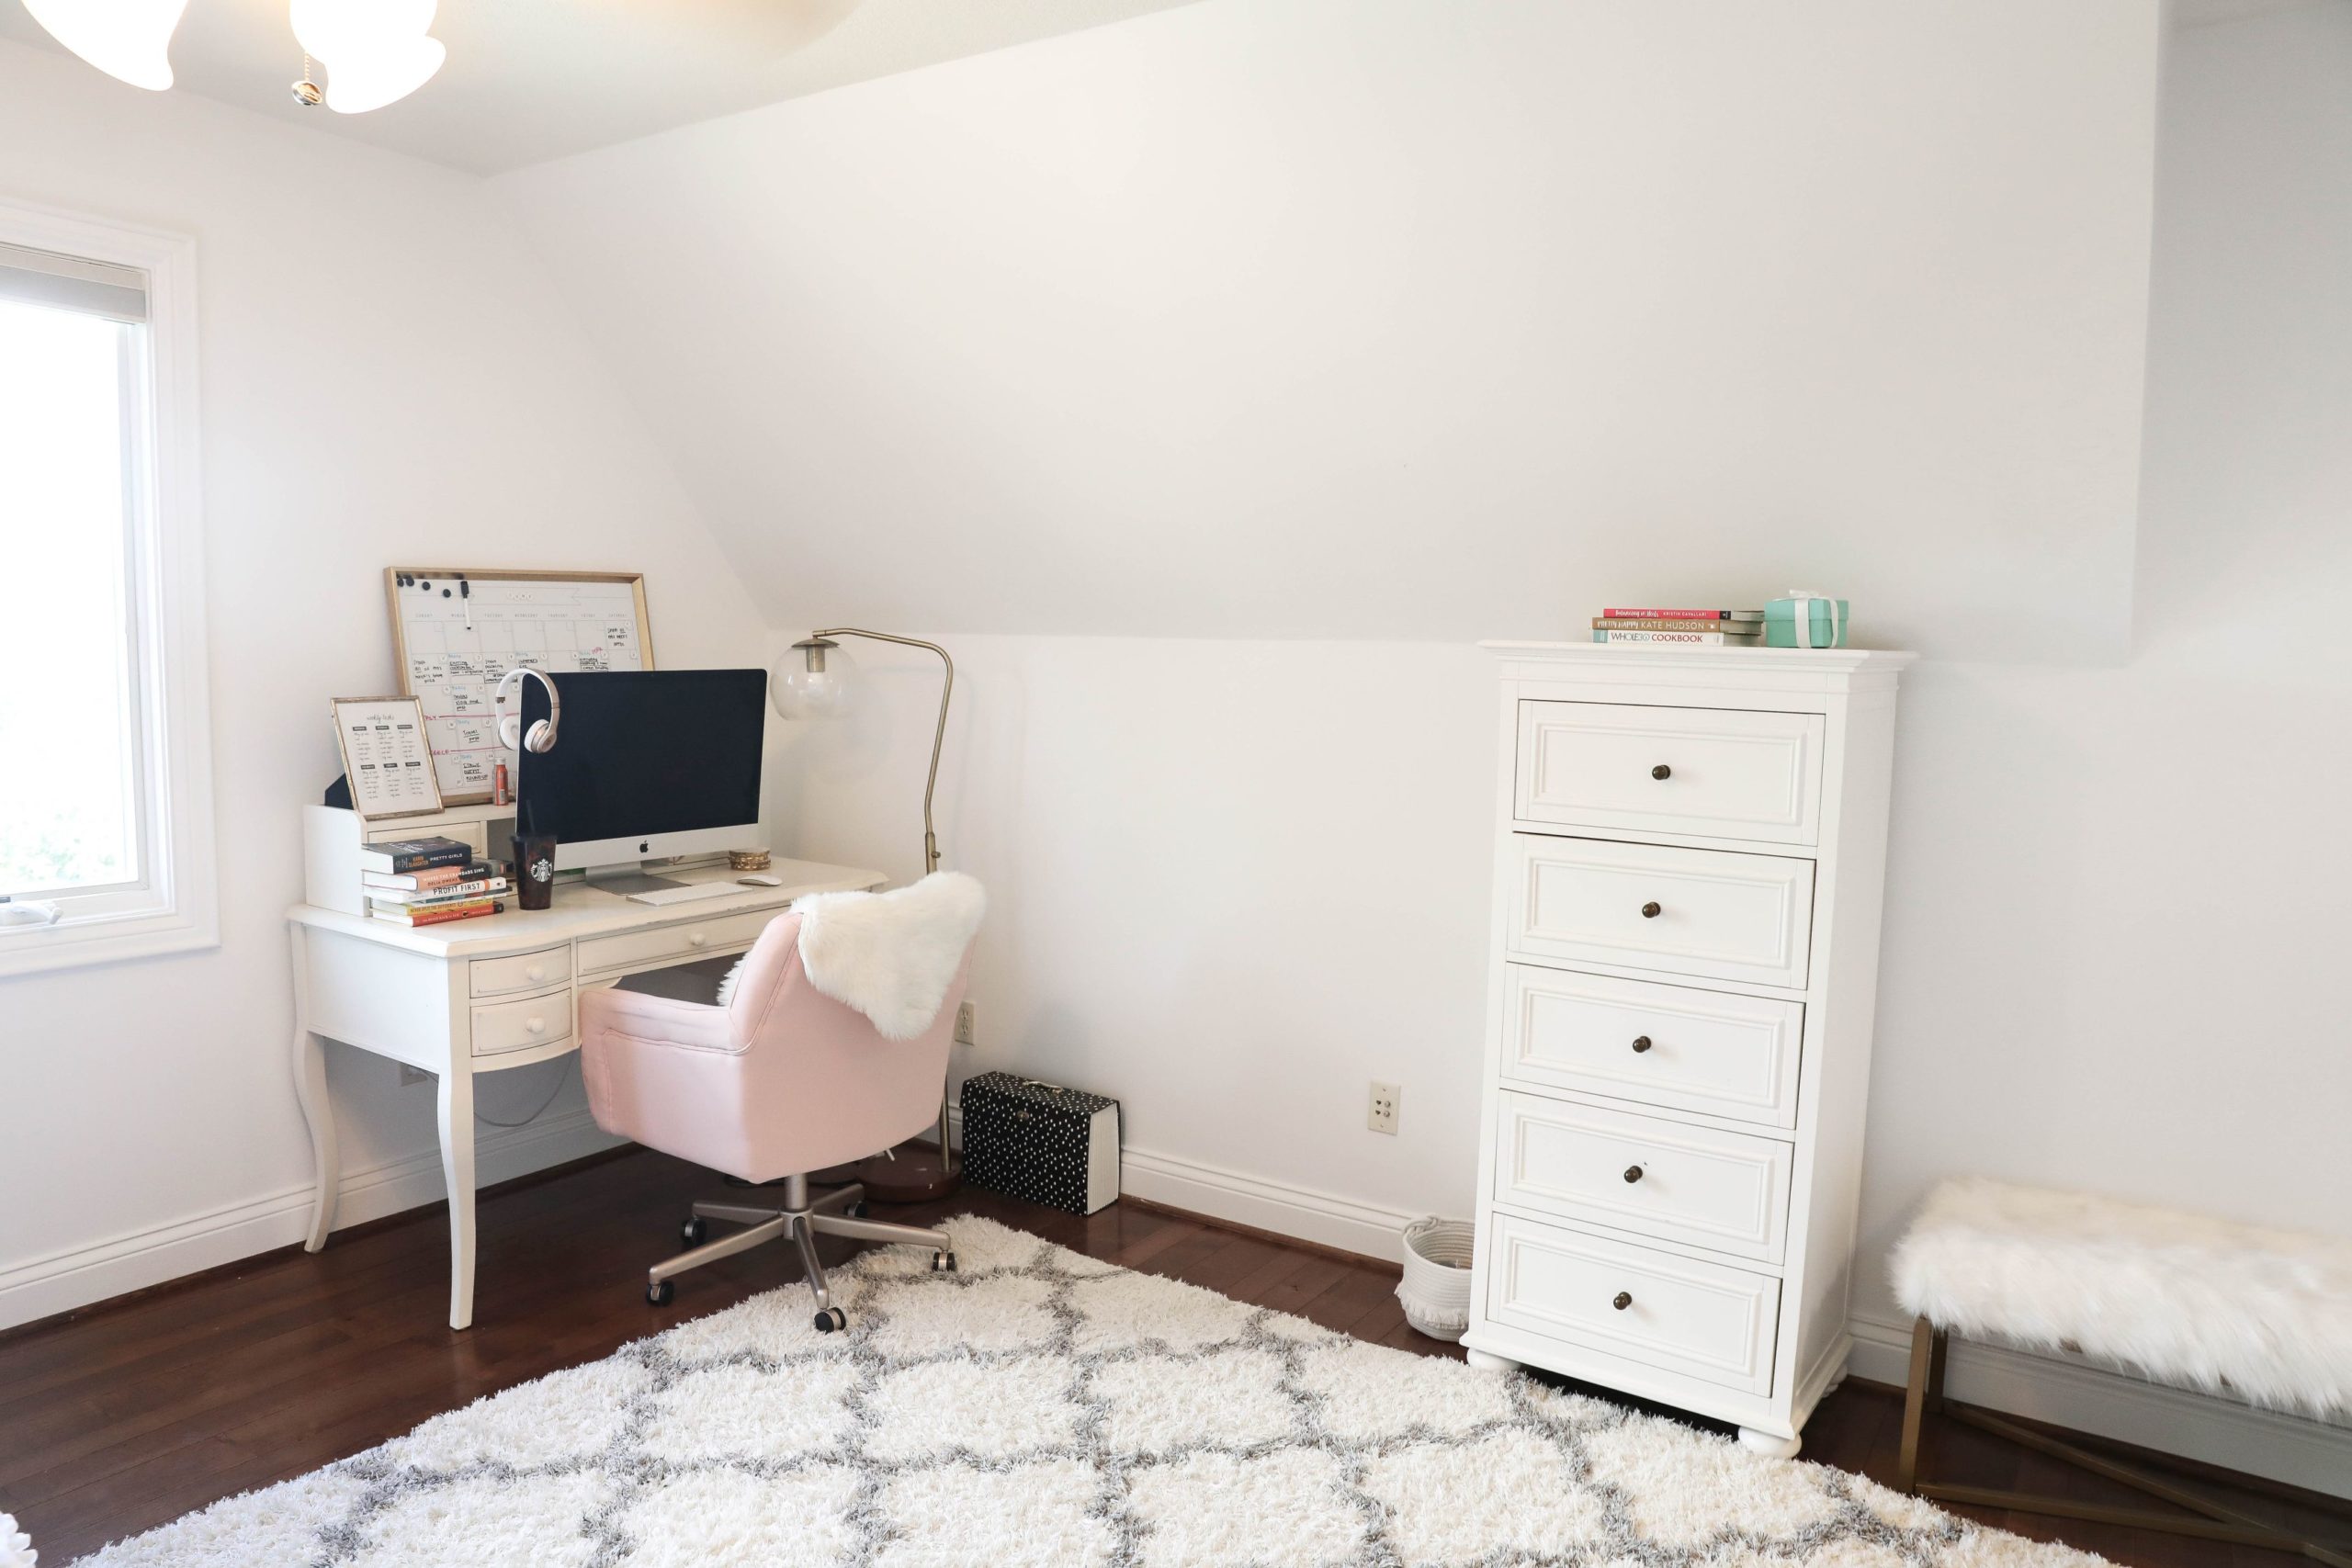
x=306, y=91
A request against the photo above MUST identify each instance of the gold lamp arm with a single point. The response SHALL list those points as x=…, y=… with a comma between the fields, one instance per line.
x=938, y=735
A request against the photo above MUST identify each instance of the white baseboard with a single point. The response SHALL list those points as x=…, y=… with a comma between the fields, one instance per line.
x=64, y=1281
x=1243, y=1199
x=1299, y=1211
x=2313, y=1454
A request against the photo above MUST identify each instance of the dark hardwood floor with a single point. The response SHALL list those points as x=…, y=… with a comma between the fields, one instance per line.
x=122, y=1416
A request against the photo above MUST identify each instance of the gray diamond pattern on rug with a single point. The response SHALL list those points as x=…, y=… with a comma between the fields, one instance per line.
x=1041, y=1407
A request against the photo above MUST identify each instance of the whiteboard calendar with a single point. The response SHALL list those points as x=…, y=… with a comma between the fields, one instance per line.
x=457, y=633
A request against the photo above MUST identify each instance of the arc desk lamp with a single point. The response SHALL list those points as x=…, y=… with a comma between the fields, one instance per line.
x=813, y=683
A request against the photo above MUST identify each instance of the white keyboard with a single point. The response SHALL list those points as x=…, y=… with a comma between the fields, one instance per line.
x=687, y=893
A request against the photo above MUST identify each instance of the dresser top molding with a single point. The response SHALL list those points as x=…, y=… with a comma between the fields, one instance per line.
x=1851, y=670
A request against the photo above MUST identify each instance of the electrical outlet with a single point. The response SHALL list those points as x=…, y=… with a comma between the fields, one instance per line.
x=967, y=1024
x=413, y=1075
x=1382, y=1117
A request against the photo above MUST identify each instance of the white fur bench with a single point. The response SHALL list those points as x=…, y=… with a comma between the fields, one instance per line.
x=2261, y=1316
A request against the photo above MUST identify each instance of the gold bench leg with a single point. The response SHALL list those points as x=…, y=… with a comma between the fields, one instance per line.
x=1922, y=1392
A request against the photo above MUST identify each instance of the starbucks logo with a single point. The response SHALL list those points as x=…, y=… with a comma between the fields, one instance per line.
x=543, y=870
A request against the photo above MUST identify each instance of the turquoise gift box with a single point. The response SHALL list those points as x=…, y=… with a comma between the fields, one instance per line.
x=1824, y=620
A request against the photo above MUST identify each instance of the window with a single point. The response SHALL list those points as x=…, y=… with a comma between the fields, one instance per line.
x=105, y=797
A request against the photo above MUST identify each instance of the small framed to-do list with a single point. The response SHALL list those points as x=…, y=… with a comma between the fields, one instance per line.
x=386, y=756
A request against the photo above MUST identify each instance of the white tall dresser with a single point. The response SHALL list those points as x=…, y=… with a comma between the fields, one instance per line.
x=1690, y=845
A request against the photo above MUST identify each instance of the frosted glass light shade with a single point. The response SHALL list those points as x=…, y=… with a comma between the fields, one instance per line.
x=812, y=681
x=125, y=39
x=374, y=51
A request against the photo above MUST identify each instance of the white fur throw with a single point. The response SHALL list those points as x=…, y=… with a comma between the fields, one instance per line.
x=891, y=955
x=2197, y=1302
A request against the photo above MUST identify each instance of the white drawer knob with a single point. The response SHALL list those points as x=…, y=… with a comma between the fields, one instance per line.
x=536, y=1026
x=535, y=974
x=696, y=939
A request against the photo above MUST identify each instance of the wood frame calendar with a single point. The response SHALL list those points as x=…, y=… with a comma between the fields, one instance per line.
x=457, y=630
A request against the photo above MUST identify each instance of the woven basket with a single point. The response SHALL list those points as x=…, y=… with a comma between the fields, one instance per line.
x=1436, y=1286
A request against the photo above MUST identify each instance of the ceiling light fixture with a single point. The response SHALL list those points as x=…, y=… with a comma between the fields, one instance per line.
x=125, y=39
x=376, y=52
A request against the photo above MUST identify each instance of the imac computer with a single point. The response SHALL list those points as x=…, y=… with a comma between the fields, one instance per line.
x=647, y=764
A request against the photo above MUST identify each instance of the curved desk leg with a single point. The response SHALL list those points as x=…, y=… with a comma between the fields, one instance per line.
x=457, y=1114
x=310, y=1089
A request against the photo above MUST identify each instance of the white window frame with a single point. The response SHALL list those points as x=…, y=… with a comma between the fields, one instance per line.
x=177, y=908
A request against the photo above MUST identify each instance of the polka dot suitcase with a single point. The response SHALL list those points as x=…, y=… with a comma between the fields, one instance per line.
x=1038, y=1141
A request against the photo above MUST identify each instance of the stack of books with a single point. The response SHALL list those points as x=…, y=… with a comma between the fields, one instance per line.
x=424, y=882
x=1695, y=629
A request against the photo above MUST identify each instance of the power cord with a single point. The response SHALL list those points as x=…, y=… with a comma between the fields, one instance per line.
x=561, y=1078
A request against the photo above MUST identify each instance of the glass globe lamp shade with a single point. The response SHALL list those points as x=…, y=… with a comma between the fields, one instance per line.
x=812, y=680
x=374, y=51
x=125, y=39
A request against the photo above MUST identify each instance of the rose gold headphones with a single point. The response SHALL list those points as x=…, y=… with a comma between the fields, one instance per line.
x=510, y=722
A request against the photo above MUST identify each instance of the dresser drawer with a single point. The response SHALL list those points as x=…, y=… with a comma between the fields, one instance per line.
x=723, y=933
x=1706, y=1321
x=522, y=1025
x=1636, y=1040
x=1726, y=1191
x=1718, y=772
x=1712, y=913
x=524, y=972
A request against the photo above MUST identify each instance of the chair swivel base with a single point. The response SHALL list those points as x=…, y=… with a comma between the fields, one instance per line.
x=839, y=1212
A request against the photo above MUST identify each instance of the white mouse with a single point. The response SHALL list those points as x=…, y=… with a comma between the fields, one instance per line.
x=760, y=881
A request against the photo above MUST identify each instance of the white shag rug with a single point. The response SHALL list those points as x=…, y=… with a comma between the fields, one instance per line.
x=1041, y=1407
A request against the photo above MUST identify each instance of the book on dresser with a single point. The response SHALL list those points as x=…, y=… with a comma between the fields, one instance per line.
x=1689, y=848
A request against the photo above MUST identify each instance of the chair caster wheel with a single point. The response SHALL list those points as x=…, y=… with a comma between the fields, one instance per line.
x=832, y=1318
x=694, y=1232
x=858, y=1210
x=943, y=1263
x=660, y=1295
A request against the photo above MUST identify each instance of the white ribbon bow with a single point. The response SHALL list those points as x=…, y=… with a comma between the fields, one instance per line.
x=1803, y=599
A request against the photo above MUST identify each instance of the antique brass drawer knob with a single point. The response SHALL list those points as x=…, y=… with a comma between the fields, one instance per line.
x=1641, y=1043
x=1651, y=911
x=1633, y=1173
x=1661, y=771
x=1624, y=1301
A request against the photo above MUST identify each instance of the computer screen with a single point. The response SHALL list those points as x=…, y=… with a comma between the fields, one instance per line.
x=642, y=758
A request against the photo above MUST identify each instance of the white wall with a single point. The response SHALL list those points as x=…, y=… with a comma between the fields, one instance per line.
x=386, y=379
x=1288, y=319
x=1235, y=880
x=1230, y=883
x=1380, y=319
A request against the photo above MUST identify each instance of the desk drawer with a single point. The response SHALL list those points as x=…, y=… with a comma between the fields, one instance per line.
x=524, y=972
x=522, y=1025
x=1703, y=1320
x=1635, y=1040
x=1706, y=913
x=1720, y=773
x=722, y=933
x=1726, y=1191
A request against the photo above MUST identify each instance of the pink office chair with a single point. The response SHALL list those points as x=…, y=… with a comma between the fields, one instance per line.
x=780, y=1081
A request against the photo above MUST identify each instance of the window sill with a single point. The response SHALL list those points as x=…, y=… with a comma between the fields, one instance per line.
x=75, y=943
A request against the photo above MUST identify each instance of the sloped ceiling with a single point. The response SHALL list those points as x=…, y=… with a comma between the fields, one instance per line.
x=530, y=80
x=1309, y=318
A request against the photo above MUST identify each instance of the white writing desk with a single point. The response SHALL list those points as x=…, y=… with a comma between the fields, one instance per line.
x=500, y=991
